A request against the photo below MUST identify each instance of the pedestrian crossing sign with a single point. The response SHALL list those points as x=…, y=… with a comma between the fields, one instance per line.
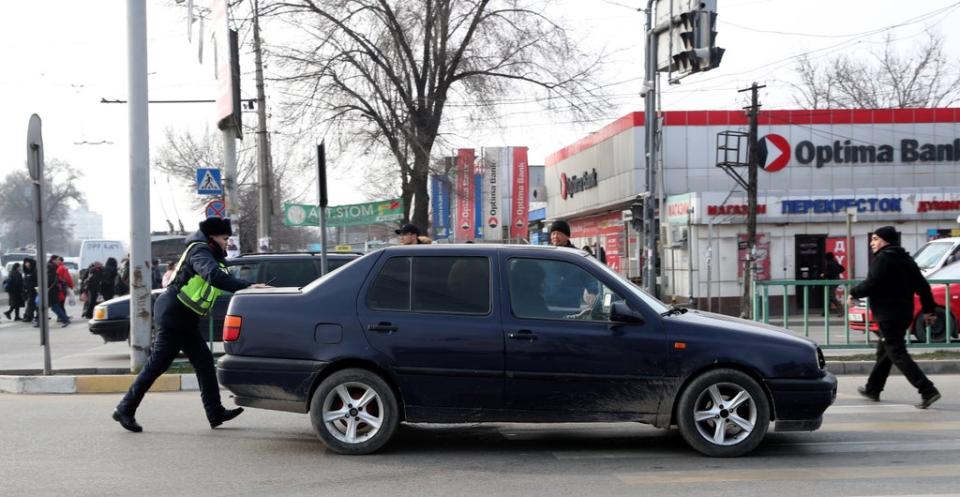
x=208, y=182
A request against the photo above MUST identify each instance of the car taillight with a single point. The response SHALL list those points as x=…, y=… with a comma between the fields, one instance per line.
x=231, y=328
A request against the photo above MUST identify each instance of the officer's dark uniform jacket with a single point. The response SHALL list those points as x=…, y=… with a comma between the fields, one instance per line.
x=203, y=259
x=891, y=282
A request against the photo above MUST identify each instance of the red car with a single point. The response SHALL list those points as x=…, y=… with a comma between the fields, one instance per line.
x=858, y=314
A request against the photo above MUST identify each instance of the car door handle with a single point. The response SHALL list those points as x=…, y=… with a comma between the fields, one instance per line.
x=522, y=335
x=382, y=326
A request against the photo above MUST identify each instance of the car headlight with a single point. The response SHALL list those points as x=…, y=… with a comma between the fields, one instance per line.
x=100, y=312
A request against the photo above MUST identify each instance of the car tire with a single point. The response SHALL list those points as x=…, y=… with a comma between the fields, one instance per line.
x=701, y=407
x=939, y=329
x=354, y=412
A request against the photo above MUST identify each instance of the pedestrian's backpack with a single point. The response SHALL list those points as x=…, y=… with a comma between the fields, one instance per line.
x=6, y=284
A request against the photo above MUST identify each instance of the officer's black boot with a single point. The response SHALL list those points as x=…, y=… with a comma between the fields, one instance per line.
x=128, y=422
x=224, y=416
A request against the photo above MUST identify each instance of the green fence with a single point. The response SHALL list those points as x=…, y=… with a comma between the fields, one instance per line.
x=830, y=331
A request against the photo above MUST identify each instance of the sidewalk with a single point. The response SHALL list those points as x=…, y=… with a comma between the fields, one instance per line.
x=82, y=363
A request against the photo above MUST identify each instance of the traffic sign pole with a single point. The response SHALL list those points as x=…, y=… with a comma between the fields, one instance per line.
x=322, y=200
x=35, y=163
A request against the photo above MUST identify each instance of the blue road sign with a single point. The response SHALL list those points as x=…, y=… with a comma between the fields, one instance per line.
x=208, y=182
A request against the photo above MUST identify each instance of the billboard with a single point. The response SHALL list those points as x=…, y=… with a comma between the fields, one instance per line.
x=465, y=221
x=440, y=203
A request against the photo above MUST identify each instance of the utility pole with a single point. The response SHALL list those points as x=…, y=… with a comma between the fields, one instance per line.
x=650, y=224
x=140, y=281
x=746, y=303
x=264, y=183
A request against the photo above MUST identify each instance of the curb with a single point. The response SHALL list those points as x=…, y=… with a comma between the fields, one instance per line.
x=929, y=366
x=107, y=380
x=92, y=383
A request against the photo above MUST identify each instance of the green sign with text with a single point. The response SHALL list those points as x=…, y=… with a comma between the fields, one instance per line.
x=383, y=211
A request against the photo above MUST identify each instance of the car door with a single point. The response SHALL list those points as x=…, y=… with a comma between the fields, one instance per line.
x=562, y=359
x=434, y=320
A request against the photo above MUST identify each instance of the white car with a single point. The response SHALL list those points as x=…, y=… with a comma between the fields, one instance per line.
x=937, y=253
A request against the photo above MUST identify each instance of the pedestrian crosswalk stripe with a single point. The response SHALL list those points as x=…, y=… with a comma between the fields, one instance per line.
x=790, y=474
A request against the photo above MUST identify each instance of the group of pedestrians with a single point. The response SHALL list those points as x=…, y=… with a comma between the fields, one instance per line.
x=22, y=285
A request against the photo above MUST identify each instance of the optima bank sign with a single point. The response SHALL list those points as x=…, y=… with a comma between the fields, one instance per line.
x=775, y=152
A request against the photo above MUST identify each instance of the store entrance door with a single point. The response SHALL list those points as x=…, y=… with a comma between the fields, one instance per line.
x=809, y=250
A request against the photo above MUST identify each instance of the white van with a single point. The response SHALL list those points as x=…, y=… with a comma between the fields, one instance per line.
x=100, y=250
x=937, y=253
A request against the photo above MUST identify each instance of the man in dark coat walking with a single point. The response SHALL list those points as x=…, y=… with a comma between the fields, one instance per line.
x=891, y=282
x=178, y=311
x=30, y=289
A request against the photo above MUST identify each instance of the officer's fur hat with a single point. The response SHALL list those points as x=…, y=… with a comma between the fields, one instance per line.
x=213, y=226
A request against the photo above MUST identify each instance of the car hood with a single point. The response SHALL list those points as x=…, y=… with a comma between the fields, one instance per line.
x=755, y=331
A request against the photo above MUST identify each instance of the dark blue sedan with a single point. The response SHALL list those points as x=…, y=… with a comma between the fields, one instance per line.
x=474, y=333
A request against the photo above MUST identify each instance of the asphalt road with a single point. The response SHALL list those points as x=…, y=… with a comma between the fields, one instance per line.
x=67, y=445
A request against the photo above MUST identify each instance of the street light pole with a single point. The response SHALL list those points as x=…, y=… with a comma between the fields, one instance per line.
x=650, y=225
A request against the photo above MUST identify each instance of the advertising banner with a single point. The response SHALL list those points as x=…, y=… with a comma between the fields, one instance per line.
x=465, y=221
x=762, y=262
x=344, y=215
x=520, y=199
x=838, y=246
x=440, y=198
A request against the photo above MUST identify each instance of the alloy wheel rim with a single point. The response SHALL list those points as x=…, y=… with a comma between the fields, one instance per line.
x=353, y=412
x=725, y=414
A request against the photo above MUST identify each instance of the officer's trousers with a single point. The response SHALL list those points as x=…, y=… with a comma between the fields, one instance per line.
x=177, y=330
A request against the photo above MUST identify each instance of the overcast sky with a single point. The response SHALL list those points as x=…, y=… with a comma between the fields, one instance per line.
x=60, y=57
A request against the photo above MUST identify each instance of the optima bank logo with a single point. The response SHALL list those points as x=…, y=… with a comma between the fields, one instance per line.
x=774, y=152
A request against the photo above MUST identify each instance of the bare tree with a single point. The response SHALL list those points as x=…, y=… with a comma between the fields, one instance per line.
x=383, y=71
x=885, y=79
x=182, y=153
x=16, y=206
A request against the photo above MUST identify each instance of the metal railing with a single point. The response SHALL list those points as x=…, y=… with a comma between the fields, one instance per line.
x=829, y=333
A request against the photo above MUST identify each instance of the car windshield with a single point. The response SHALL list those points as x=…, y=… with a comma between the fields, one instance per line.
x=654, y=303
x=951, y=272
x=931, y=253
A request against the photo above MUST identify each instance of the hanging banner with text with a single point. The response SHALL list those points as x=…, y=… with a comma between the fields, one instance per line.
x=464, y=225
x=383, y=211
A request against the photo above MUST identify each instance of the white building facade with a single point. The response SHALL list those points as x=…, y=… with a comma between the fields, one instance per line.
x=820, y=168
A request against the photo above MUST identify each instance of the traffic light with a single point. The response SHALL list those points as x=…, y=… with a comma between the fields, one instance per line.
x=697, y=34
x=636, y=211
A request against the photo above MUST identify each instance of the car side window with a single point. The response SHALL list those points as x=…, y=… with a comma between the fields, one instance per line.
x=451, y=284
x=547, y=289
x=289, y=273
x=391, y=289
x=247, y=271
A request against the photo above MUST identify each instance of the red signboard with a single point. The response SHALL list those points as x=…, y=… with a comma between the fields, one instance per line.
x=464, y=225
x=838, y=245
x=521, y=201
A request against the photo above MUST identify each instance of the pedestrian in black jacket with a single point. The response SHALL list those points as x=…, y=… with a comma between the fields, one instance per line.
x=91, y=287
x=14, y=287
x=177, y=312
x=891, y=282
x=108, y=279
x=30, y=289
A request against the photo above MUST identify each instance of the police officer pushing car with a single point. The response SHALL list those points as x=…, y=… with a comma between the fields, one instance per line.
x=200, y=277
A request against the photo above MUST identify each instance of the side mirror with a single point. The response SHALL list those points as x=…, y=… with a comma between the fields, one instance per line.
x=620, y=312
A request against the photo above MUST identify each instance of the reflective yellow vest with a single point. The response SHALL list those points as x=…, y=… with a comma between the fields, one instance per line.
x=198, y=294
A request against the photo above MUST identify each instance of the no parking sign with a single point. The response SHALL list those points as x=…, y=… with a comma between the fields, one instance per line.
x=216, y=208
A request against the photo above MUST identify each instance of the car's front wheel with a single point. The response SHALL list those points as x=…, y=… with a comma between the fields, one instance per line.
x=723, y=413
x=354, y=412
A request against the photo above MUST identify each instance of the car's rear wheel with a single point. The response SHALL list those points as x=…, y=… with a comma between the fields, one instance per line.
x=354, y=412
x=723, y=413
x=938, y=330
